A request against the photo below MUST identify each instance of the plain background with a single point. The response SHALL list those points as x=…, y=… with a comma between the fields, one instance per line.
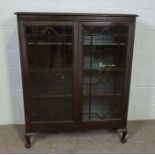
x=142, y=95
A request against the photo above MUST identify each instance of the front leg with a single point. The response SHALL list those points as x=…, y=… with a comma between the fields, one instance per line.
x=28, y=136
x=28, y=141
x=123, y=137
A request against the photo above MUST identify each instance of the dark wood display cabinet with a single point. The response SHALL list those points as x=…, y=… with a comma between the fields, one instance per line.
x=75, y=70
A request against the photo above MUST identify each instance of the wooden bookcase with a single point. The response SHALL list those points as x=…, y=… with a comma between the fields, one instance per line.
x=75, y=70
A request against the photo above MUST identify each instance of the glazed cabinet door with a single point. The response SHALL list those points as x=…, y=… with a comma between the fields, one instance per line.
x=48, y=59
x=104, y=52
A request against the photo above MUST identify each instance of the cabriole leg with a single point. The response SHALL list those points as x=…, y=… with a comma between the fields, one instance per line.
x=123, y=138
x=28, y=141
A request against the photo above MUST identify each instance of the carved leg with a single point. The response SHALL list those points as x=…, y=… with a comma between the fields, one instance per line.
x=27, y=138
x=123, y=138
x=28, y=141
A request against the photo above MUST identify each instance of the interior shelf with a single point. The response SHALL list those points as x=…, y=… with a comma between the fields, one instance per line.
x=85, y=95
x=104, y=69
x=70, y=69
x=103, y=94
x=104, y=44
x=85, y=44
x=51, y=96
x=47, y=43
x=49, y=70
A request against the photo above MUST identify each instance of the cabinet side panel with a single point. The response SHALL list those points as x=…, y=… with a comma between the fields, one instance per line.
x=128, y=71
x=24, y=72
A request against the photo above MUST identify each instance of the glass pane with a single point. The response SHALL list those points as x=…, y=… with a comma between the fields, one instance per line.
x=104, y=49
x=50, y=52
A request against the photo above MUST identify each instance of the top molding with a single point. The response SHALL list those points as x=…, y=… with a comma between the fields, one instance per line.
x=74, y=14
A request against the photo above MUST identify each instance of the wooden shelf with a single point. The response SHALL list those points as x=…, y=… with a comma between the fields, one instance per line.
x=51, y=96
x=104, y=44
x=93, y=95
x=103, y=94
x=50, y=70
x=104, y=69
x=47, y=43
x=85, y=44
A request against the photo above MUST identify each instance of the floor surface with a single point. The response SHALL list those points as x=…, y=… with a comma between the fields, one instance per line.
x=141, y=139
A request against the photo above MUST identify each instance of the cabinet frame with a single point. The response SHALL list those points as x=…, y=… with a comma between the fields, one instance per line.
x=77, y=21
